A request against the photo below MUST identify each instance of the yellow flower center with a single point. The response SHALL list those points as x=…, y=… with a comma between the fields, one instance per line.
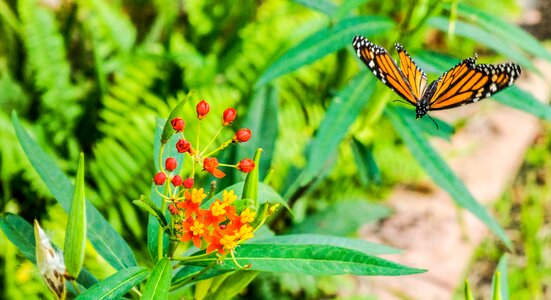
x=228, y=197
x=247, y=215
x=198, y=195
x=218, y=208
x=197, y=228
x=228, y=241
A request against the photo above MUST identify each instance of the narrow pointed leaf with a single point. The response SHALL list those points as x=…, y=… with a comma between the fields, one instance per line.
x=355, y=212
x=500, y=284
x=324, y=6
x=250, y=188
x=486, y=38
x=233, y=285
x=467, y=291
x=368, y=172
x=439, y=171
x=20, y=233
x=324, y=42
x=343, y=111
x=305, y=259
x=194, y=273
x=508, y=32
x=101, y=234
x=75, y=235
x=266, y=194
x=262, y=120
x=315, y=240
x=116, y=285
x=158, y=283
x=168, y=131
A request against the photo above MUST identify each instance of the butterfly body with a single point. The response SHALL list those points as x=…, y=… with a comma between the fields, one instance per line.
x=465, y=83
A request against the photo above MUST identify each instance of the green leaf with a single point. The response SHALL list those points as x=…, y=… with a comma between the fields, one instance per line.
x=483, y=37
x=500, y=286
x=75, y=235
x=467, y=291
x=20, y=233
x=306, y=259
x=346, y=8
x=509, y=33
x=521, y=100
x=324, y=42
x=194, y=273
x=103, y=237
x=150, y=207
x=444, y=130
x=343, y=111
x=266, y=194
x=262, y=120
x=436, y=168
x=177, y=111
x=250, y=187
x=326, y=240
x=355, y=212
x=233, y=285
x=158, y=283
x=116, y=285
x=323, y=6
x=368, y=172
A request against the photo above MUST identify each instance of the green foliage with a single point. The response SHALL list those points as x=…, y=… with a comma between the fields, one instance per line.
x=94, y=76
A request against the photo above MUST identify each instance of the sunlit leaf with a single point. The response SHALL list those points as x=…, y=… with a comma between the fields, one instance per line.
x=158, y=283
x=116, y=285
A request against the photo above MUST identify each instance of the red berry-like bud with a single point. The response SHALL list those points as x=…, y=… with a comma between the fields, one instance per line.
x=246, y=165
x=159, y=178
x=176, y=180
x=173, y=209
x=171, y=164
x=210, y=164
x=188, y=183
x=242, y=135
x=203, y=109
x=229, y=116
x=178, y=124
x=183, y=146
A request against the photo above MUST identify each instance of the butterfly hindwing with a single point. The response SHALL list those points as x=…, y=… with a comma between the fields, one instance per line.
x=377, y=59
x=467, y=83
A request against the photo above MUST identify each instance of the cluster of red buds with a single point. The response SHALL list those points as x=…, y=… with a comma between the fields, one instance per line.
x=221, y=226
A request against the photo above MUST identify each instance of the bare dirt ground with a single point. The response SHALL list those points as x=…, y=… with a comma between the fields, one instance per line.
x=486, y=155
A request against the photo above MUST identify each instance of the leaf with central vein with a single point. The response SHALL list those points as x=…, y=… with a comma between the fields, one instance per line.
x=439, y=171
x=306, y=259
x=116, y=285
x=158, y=282
x=324, y=42
x=109, y=244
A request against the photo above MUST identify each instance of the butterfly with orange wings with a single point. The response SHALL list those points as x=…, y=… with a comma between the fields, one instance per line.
x=463, y=84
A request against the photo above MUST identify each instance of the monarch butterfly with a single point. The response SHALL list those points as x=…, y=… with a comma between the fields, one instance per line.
x=463, y=84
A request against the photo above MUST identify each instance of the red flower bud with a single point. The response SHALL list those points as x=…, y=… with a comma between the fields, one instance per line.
x=159, y=178
x=178, y=124
x=203, y=109
x=176, y=180
x=245, y=165
x=210, y=164
x=188, y=183
x=171, y=164
x=183, y=146
x=229, y=116
x=242, y=135
x=173, y=209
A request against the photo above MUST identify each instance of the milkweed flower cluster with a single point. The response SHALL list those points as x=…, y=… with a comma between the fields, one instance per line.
x=221, y=226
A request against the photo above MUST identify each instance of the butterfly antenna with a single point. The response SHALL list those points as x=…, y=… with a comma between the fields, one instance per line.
x=433, y=121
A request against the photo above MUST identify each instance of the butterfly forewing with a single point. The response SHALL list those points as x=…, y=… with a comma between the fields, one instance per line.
x=415, y=76
x=377, y=59
x=467, y=83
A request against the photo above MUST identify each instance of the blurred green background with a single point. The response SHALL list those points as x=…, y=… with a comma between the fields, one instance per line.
x=93, y=76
